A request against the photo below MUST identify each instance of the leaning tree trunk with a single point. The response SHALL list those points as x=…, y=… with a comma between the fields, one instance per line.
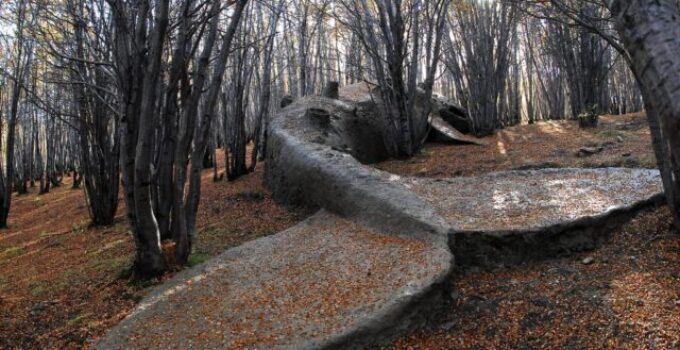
x=650, y=30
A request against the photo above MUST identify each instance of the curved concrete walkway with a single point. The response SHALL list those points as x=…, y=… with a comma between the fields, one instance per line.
x=377, y=266
x=327, y=282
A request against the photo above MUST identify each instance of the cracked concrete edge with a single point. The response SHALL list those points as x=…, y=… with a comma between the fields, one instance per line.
x=299, y=171
x=398, y=318
x=506, y=248
x=530, y=172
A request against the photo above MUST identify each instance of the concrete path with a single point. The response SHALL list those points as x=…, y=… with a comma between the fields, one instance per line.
x=326, y=282
x=377, y=267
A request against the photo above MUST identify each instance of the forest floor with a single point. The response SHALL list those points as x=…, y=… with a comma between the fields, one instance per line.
x=625, y=141
x=623, y=295
x=63, y=283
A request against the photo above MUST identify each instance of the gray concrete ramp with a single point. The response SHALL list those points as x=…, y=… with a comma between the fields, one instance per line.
x=507, y=218
x=536, y=199
x=324, y=283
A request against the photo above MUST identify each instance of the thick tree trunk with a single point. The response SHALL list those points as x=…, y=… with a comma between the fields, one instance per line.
x=140, y=72
x=151, y=261
x=650, y=30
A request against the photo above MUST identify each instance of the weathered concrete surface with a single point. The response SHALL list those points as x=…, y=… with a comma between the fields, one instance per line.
x=455, y=116
x=521, y=215
x=304, y=166
x=533, y=200
x=326, y=283
x=508, y=217
x=449, y=133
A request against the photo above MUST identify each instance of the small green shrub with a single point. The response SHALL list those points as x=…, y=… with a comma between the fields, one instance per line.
x=77, y=320
x=77, y=228
x=111, y=263
x=14, y=252
x=196, y=259
x=38, y=289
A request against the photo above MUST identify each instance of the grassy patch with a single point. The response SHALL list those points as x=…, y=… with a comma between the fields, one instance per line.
x=127, y=272
x=54, y=241
x=197, y=258
x=646, y=162
x=640, y=162
x=72, y=274
x=77, y=228
x=611, y=133
x=108, y=246
x=13, y=252
x=77, y=320
x=212, y=229
x=112, y=264
x=38, y=289
x=3, y=283
x=425, y=152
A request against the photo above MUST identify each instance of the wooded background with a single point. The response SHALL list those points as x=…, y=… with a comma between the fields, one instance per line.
x=146, y=91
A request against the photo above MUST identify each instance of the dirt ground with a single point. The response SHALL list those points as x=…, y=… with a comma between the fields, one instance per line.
x=623, y=295
x=62, y=282
x=627, y=297
x=625, y=142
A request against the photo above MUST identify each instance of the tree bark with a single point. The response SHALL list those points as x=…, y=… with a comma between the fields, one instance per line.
x=650, y=30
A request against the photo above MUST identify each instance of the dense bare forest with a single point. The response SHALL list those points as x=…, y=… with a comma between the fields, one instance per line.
x=130, y=103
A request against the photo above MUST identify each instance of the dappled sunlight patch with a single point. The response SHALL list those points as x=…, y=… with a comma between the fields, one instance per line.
x=535, y=199
x=626, y=141
x=554, y=128
x=501, y=147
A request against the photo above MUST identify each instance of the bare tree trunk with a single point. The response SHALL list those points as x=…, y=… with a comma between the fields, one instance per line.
x=303, y=9
x=265, y=95
x=140, y=73
x=21, y=66
x=184, y=236
x=650, y=30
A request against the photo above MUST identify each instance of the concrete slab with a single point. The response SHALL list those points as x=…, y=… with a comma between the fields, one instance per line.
x=326, y=283
x=537, y=199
